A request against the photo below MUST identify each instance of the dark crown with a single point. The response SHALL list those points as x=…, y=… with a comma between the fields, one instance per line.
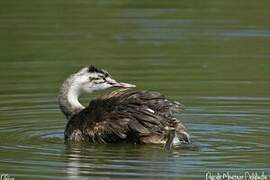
x=93, y=69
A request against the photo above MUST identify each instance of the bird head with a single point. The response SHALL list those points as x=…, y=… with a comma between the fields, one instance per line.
x=94, y=79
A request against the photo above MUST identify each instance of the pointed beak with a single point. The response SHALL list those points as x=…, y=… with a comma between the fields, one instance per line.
x=123, y=85
x=120, y=84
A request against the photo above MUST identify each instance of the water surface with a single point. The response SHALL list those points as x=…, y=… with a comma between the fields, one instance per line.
x=213, y=56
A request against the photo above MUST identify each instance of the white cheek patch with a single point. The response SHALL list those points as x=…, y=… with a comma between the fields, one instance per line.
x=102, y=86
x=99, y=81
x=87, y=87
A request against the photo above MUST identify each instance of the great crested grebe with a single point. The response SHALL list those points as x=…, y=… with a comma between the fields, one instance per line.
x=125, y=115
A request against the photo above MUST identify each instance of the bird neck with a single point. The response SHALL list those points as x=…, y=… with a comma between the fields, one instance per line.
x=68, y=98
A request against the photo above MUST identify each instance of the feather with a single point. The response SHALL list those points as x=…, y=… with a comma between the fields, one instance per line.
x=126, y=115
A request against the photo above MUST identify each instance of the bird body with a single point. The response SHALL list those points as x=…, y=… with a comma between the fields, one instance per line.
x=124, y=115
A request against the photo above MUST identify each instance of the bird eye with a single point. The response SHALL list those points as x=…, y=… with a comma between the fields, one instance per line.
x=97, y=80
x=93, y=78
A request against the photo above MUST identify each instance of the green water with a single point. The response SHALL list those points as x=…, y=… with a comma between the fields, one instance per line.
x=213, y=56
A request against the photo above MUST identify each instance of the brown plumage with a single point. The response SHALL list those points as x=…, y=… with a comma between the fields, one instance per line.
x=126, y=116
